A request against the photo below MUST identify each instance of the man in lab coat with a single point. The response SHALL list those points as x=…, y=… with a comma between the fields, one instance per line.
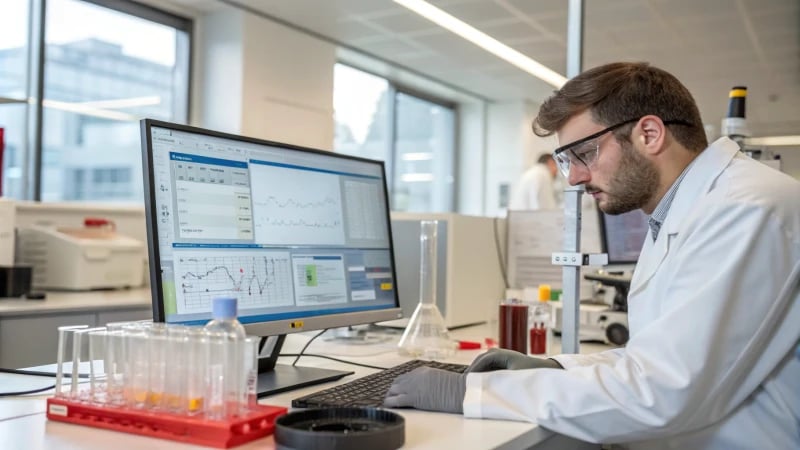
x=536, y=188
x=713, y=309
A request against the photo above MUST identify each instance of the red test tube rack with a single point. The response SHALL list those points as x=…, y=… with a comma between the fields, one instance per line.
x=259, y=422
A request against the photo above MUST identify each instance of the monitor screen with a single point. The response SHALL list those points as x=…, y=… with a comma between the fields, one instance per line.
x=301, y=237
x=623, y=236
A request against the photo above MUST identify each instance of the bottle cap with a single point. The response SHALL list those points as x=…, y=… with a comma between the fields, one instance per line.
x=544, y=292
x=224, y=308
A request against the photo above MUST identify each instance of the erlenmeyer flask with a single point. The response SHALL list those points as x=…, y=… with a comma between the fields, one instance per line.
x=426, y=335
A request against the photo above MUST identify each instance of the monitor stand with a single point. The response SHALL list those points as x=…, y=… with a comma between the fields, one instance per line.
x=276, y=378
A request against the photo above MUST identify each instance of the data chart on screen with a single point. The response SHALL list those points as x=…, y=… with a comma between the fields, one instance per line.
x=296, y=205
x=212, y=197
x=259, y=279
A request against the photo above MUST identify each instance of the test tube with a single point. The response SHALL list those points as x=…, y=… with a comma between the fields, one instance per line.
x=65, y=343
x=196, y=370
x=235, y=376
x=98, y=378
x=216, y=396
x=178, y=352
x=115, y=364
x=137, y=368
x=156, y=337
x=80, y=353
x=250, y=370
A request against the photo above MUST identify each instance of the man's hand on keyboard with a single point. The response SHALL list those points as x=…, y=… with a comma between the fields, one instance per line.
x=429, y=389
x=501, y=359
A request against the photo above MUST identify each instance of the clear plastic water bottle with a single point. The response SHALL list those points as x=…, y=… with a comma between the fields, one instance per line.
x=224, y=312
x=226, y=382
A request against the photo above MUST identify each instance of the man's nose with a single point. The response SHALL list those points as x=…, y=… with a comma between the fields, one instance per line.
x=578, y=174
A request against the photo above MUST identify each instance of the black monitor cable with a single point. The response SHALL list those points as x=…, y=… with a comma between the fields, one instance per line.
x=38, y=373
x=314, y=355
x=33, y=373
x=306, y=346
x=343, y=361
x=32, y=391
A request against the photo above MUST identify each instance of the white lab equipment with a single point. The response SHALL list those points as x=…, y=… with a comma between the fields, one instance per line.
x=80, y=258
x=469, y=278
x=7, y=220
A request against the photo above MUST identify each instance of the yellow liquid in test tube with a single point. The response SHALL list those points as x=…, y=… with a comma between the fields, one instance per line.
x=195, y=405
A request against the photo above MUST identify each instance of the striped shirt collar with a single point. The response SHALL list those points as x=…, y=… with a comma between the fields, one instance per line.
x=660, y=213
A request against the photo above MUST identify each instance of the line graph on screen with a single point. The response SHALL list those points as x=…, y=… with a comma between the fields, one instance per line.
x=258, y=280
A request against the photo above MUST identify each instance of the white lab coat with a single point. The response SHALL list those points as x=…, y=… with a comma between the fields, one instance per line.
x=535, y=190
x=711, y=360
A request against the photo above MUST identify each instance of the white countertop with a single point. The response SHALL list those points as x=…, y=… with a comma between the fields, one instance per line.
x=78, y=301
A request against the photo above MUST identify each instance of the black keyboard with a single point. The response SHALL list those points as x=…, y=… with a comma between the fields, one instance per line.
x=369, y=390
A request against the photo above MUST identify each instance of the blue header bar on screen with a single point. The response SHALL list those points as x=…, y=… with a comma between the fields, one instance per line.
x=174, y=156
x=312, y=169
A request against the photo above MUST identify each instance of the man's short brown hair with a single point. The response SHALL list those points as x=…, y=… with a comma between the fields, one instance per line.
x=617, y=92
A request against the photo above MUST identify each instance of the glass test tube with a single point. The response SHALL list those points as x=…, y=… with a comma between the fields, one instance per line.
x=250, y=393
x=65, y=343
x=157, y=365
x=235, y=377
x=80, y=353
x=175, y=387
x=137, y=367
x=216, y=389
x=196, y=366
x=117, y=354
x=115, y=365
x=98, y=378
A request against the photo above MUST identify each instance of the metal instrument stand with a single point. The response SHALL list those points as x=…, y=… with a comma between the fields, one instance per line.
x=571, y=259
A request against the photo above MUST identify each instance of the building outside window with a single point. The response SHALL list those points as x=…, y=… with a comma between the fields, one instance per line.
x=106, y=65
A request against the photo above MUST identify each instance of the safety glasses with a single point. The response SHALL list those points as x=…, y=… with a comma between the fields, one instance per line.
x=585, y=151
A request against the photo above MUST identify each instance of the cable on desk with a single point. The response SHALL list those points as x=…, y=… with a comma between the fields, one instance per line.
x=39, y=373
x=499, y=252
x=35, y=373
x=298, y=355
x=303, y=350
x=32, y=391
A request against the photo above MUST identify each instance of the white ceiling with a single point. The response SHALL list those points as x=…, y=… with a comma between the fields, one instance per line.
x=711, y=45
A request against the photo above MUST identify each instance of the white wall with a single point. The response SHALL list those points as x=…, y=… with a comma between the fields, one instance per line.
x=219, y=67
x=470, y=179
x=790, y=160
x=264, y=80
x=511, y=148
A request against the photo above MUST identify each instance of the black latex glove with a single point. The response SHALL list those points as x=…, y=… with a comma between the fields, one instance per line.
x=429, y=389
x=501, y=359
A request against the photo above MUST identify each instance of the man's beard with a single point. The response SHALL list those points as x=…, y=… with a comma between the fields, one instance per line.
x=634, y=184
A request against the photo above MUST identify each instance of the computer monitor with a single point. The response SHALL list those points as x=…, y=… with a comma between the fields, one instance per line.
x=301, y=237
x=622, y=236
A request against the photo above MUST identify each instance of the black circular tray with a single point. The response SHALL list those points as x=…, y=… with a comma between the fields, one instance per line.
x=340, y=429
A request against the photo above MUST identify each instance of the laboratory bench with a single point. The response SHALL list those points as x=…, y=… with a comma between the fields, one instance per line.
x=23, y=423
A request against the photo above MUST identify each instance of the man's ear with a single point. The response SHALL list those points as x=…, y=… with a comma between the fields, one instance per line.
x=650, y=134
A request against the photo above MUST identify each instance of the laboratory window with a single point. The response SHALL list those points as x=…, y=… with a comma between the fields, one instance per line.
x=413, y=134
x=101, y=59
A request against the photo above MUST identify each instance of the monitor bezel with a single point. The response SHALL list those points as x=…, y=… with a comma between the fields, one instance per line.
x=270, y=328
